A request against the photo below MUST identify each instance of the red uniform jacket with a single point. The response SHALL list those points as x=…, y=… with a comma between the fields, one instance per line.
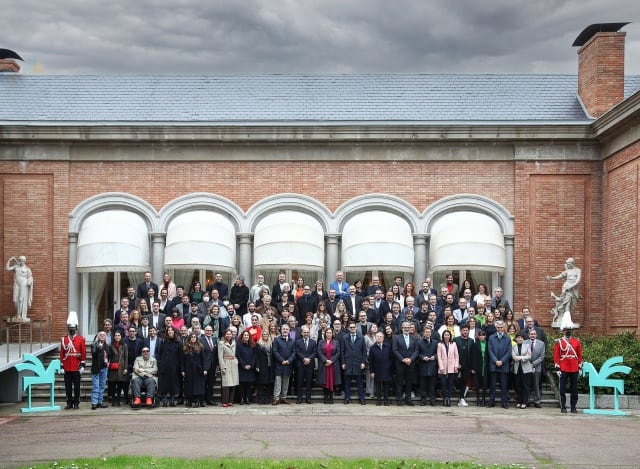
x=567, y=353
x=73, y=352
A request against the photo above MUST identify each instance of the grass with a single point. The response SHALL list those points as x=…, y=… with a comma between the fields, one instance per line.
x=134, y=462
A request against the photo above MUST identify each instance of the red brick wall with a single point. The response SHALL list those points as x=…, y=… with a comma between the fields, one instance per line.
x=622, y=237
x=546, y=198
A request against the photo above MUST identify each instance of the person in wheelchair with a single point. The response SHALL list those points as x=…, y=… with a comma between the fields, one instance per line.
x=145, y=370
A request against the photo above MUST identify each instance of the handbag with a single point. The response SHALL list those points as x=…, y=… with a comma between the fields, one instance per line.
x=114, y=366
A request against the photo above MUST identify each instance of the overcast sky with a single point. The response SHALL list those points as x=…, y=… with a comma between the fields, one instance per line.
x=307, y=36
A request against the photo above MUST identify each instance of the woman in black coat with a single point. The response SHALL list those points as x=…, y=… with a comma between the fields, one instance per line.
x=381, y=367
x=247, y=358
x=193, y=371
x=427, y=367
x=480, y=366
x=169, y=358
x=264, y=368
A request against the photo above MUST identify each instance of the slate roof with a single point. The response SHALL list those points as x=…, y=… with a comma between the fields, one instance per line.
x=273, y=99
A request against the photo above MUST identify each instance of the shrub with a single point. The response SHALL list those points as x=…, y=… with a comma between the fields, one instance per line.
x=597, y=349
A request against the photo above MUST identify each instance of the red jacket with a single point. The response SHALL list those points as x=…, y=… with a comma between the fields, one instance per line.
x=567, y=354
x=73, y=352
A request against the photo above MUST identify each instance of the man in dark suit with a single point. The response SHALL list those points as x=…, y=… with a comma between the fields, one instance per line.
x=375, y=285
x=380, y=367
x=307, y=303
x=499, y=348
x=156, y=318
x=239, y=296
x=218, y=284
x=166, y=305
x=276, y=290
x=306, y=352
x=387, y=305
x=426, y=291
x=354, y=361
x=405, y=351
x=284, y=355
x=143, y=287
x=210, y=358
x=153, y=341
x=352, y=302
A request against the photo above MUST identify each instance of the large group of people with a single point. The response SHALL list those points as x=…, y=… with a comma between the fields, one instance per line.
x=270, y=345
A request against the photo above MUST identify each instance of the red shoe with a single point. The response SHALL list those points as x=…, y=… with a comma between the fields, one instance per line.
x=149, y=402
x=137, y=401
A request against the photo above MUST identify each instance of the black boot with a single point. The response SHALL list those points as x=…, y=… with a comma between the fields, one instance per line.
x=330, y=397
x=113, y=402
x=478, y=401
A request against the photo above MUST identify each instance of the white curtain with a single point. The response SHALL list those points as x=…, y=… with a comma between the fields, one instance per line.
x=97, y=284
x=134, y=279
x=184, y=277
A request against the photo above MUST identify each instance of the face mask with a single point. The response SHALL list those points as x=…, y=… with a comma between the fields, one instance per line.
x=206, y=298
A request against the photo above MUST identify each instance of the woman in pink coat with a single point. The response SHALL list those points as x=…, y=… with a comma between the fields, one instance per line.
x=448, y=365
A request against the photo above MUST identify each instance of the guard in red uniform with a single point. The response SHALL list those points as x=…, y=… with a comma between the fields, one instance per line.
x=567, y=356
x=73, y=354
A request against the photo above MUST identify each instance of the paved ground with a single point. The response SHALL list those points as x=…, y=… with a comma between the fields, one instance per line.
x=531, y=437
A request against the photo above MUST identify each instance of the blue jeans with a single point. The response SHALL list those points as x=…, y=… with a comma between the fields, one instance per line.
x=99, y=382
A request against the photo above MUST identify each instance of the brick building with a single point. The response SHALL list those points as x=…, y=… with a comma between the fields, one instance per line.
x=497, y=178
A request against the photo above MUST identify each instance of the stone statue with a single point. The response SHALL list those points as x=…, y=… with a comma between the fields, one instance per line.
x=569, y=297
x=22, y=286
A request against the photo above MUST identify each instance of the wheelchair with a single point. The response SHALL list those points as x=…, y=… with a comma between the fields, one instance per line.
x=145, y=400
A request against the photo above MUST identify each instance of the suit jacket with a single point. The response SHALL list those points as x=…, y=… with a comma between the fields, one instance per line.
x=537, y=355
x=305, y=304
x=422, y=296
x=147, y=343
x=525, y=355
x=283, y=350
x=381, y=361
x=401, y=351
x=341, y=293
x=349, y=304
x=499, y=350
x=353, y=354
x=302, y=352
x=427, y=349
x=160, y=325
x=455, y=291
x=141, y=291
x=210, y=355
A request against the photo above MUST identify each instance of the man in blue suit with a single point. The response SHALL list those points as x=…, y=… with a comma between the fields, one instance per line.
x=354, y=360
x=284, y=355
x=405, y=351
x=340, y=286
x=499, y=356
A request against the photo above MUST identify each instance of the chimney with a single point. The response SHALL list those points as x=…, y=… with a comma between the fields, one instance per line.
x=601, y=66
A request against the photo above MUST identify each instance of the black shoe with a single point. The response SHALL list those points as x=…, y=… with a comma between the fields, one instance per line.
x=491, y=404
x=210, y=402
x=94, y=406
x=298, y=401
x=574, y=410
x=347, y=401
x=102, y=405
x=505, y=406
x=387, y=403
x=308, y=401
x=400, y=403
x=76, y=406
x=165, y=404
x=563, y=410
x=204, y=404
x=362, y=402
x=378, y=403
x=537, y=406
x=423, y=403
x=432, y=403
x=172, y=403
x=410, y=403
x=180, y=401
x=68, y=406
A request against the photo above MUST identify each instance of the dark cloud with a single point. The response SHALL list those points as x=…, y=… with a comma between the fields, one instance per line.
x=307, y=36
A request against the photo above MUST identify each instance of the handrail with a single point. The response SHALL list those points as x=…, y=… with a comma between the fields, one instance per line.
x=30, y=324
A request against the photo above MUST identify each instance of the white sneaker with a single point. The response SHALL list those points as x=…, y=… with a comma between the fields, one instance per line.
x=462, y=403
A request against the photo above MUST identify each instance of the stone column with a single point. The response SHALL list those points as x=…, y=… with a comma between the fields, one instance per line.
x=509, y=273
x=332, y=256
x=419, y=258
x=157, y=256
x=245, y=257
x=73, y=289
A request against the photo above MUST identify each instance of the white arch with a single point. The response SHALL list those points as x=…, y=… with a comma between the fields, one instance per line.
x=469, y=203
x=201, y=201
x=288, y=201
x=112, y=201
x=372, y=202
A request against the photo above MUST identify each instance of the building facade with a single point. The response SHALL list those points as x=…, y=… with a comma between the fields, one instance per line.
x=497, y=179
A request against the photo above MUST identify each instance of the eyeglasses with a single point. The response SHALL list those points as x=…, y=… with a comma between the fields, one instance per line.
x=145, y=351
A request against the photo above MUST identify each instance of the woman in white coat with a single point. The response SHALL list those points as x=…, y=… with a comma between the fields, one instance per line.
x=228, y=368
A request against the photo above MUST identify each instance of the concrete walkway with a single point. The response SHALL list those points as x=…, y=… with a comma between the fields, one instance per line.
x=529, y=437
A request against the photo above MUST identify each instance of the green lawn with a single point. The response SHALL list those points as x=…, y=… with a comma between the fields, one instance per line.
x=131, y=462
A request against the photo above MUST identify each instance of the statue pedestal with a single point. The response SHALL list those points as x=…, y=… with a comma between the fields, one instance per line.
x=18, y=319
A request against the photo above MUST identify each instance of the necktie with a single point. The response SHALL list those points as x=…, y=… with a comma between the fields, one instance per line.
x=145, y=332
x=306, y=344
x=353, y=338
x=533, y=344
x=210, y=344
x=406, y=340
